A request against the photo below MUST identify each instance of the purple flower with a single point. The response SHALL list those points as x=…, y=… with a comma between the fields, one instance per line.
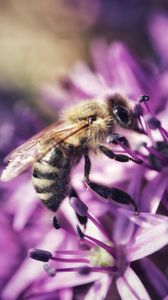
x=107, y=253
x=18, y=121
x=132, y=236
x=98, y=243
x=158, y=33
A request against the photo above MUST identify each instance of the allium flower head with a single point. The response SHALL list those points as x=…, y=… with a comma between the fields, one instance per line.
x=94, y=241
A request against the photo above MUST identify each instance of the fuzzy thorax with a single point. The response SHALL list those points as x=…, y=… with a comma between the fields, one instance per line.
x=98, y=130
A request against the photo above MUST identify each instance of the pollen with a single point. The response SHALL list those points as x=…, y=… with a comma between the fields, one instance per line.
x=99, y=257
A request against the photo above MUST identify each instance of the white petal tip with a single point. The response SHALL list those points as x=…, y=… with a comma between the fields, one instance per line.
x=5, y=176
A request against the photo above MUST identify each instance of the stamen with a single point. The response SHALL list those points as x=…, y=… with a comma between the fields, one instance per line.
x=80, y=233
x=45, y=256
x=137, y=110
x=153, y=123
x=85, y=270
x=147, y=107
x=145, y=163
x=55, y=223
x=143, y=98
x=41, y=255
x=96, y=223
x=100, y=244
x=80, y=208
x=142, y=123
x=148, y=129
x=71, y=252
x=153, y=152
x=72, y=269
x=51, y=271
x=130, y=152
x=70, y=260
x=86, y=237
x=82, y=220
x=92, y=269
x=164, y=133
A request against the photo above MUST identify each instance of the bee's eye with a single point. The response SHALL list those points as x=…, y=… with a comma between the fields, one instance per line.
x=91, y=119
x=121, y=115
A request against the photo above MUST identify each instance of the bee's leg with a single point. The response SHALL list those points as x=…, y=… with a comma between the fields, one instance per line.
x=81, y=218
x=87, y=166
x=106, y=192
x=119, y=157
x=111, y=193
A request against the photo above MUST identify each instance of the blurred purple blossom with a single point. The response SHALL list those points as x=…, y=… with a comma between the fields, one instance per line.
x=158, y=33
x=127, y=237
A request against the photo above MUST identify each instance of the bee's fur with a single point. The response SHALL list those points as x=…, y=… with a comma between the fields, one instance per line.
x=51, y=174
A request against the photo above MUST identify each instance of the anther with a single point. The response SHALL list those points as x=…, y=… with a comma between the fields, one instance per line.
x=80, y=233
x=80, y=208
x=143, y=98
x=41, y=255
x=55, y=223
x=154, y=123
x=51, y=271
x=85, y=270
x=82, y=220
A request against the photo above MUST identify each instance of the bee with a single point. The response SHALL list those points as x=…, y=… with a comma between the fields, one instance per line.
x=54, y=151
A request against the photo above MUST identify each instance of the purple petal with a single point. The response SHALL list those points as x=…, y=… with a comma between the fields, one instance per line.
x=100, y=288
x=148, y=242
x=87, y=81
x=55, y=98
x=126, y=71
x=66, y=294
x=165, y=199
x=31, y=270
x=130, y=287
x=156, y=277
x=152, y=193
x=123, y=229
x=158, y=28
x=67, y=280
x=24, y=202
x=101, y=61
x=11, y=250
x=147, y=220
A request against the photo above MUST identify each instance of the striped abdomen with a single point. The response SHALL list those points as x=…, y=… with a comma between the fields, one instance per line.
x=51, y=176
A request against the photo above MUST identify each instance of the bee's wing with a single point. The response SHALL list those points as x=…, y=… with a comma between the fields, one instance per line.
x=36, y=147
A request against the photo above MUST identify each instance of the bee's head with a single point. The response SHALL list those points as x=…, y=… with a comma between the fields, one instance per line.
x=120, y=111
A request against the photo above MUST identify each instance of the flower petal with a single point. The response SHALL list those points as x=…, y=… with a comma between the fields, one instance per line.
x=148, y=242
x=152, y=193
x=123, y=229
x=66, y=294
x=156, y=277
x=31, y=270
x=147, y=220
x=158, y=31
x=87, y=81
x=130, y=287
x=100, y=288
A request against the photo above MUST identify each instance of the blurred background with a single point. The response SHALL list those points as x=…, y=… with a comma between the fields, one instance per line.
x=41, y=39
